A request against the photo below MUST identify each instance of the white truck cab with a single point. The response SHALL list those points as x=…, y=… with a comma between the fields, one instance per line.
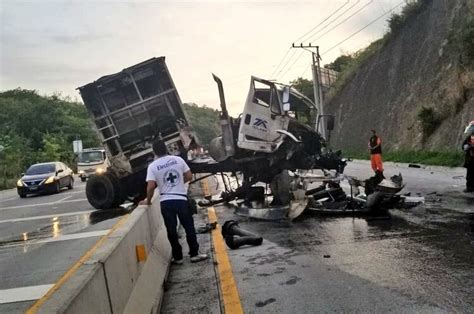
x=267, y=114
x=91, y=161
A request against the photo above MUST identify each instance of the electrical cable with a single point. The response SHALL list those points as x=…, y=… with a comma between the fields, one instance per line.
x=343, y=21
x=275, y=71
x=355, y=33
x=330, y=15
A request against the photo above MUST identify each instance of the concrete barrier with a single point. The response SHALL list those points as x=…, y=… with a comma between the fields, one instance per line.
x=112, y=279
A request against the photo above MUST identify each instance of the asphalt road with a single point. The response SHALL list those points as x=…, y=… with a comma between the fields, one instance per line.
x=41, y=237
x=419, y=260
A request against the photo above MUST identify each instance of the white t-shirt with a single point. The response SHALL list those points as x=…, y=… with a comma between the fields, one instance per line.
x=167, y=172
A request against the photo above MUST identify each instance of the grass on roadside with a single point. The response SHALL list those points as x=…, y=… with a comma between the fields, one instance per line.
x=6, y=184
x=448, y=159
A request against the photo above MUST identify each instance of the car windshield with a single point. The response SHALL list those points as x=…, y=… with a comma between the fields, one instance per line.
x=90, y=157
x=40, y=169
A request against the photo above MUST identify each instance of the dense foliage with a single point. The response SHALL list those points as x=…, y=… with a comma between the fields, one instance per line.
x=340, y=63
x=35, y=128
x=205, y=122
x=304, y=86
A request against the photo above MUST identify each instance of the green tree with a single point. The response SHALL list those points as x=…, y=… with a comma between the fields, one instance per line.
x=35, y=128
x=341, y=63
x=304, y=86
x=204, y=120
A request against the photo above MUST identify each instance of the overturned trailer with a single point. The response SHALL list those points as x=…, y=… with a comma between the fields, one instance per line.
x=129, y=109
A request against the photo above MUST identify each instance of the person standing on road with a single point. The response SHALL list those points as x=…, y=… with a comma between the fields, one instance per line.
x=375, y=148
x=468, y=148
x=171, y=173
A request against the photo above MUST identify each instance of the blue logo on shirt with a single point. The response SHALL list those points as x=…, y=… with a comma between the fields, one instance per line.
x=171, y=178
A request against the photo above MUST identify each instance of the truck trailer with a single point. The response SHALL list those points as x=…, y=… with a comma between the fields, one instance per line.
x=129, y=110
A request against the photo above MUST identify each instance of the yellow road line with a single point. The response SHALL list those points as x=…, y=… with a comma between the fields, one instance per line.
x=35, y=307
x=230, y=294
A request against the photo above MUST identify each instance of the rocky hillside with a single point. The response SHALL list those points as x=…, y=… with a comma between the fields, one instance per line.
x=417, y=85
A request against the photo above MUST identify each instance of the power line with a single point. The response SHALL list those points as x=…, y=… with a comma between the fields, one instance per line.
x=287, y=61
x=281, y=61
x=289, y=68
x=345, y=20
x=275, y=71
x=329, y=16
x=332, y=21
x=355, y=33
x=358, y=1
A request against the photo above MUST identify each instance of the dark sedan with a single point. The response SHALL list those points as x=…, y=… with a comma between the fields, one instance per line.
x=48, y=177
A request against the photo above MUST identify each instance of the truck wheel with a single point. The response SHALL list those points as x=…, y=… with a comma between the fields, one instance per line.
x=103, y=191
x=83, y=179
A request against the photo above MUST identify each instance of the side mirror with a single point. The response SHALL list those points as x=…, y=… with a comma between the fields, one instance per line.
x=286, y=95
x=286, y=106
x=330, y=122
x=22, y=174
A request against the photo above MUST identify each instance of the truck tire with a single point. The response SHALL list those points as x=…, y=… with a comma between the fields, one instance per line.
x=103, y=191
x=83, y=179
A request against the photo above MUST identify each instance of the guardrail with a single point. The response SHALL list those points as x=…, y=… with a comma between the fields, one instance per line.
x=124, y=272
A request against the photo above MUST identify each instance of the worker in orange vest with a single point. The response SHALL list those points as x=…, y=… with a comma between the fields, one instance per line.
x=375, y=148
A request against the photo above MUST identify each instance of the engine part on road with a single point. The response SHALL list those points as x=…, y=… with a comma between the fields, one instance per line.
x=236, y=237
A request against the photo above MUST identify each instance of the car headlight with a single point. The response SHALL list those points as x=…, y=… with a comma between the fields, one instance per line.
x=19, y=183
x=49, y=180
x=80, y=172
x=100, y=170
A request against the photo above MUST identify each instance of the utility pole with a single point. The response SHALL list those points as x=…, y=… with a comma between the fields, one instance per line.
x=317, y=84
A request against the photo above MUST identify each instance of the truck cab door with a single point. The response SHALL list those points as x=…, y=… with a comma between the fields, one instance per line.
x=263, y=115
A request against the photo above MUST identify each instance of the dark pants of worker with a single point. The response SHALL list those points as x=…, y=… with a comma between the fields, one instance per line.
x=470, y=176
x=171, y=210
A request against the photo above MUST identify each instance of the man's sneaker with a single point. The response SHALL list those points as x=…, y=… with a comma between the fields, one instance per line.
x=177, y=261
x=198, y=258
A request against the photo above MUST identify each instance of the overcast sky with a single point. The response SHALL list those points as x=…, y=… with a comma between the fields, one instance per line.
x=56, y=46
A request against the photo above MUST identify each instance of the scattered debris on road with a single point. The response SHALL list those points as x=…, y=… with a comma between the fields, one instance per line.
x=236, y=237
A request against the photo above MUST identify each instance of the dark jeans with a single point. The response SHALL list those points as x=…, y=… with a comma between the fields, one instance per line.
x=470, y=176
x=171, y=210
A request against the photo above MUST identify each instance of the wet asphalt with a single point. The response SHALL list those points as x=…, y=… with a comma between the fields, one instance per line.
x=33, y=250
x=415, y=260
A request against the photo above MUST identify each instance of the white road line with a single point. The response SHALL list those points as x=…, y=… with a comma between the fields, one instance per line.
x=9, y=199
x=75, y=192
x=63, y=199
x=66, y=237
x=23, y=293
x=85, y=212
x=43, y=204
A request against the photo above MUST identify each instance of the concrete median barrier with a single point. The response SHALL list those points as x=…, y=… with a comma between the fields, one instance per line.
x=124, y=272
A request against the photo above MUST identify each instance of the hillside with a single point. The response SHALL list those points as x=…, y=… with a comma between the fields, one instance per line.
x=36, y=128
x=415, y=86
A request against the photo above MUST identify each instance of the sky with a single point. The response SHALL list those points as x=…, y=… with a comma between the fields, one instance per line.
x=55, y=46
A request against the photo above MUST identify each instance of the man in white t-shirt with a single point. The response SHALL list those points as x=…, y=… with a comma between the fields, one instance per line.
x=171, y=173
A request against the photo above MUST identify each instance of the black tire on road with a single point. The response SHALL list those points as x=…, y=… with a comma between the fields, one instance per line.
x=71, y=183
x=83, y=179
x=22, y=195
x=103, y=191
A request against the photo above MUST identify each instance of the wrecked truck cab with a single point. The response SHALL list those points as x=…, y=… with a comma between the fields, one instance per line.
x=269, y=110
x=129, y=109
